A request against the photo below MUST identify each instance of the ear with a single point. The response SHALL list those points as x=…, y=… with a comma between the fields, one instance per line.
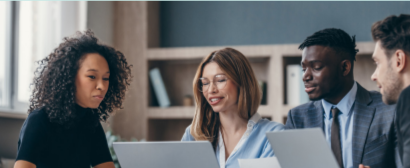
x=346, y=66
x=401, y=60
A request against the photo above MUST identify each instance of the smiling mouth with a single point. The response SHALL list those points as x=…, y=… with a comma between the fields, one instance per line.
x=309, y=89
x=214, y=101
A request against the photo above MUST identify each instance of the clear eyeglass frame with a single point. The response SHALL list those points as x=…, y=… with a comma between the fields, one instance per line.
x=219, y=81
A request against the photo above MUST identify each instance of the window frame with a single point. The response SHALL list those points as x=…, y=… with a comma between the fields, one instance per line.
x=9, y=53
x=17, y=106
x=13, y=108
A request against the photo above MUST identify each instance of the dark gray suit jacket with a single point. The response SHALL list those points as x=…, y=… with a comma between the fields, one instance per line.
x=374, y=135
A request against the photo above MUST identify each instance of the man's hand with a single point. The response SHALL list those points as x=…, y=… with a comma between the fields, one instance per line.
x=362, y=166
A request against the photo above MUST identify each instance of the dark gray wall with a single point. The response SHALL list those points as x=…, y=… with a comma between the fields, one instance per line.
x=245, y=23
x=9, y=135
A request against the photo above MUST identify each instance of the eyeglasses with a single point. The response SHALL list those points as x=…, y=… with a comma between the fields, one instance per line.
x=219, y=81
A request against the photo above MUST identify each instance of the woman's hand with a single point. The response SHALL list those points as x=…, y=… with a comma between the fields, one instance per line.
x=24, y=164
x=105, y=165
x=363, y=166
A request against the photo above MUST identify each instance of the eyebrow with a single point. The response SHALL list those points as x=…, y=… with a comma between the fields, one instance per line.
x=95, y=70
x=314, y=61
x=214, y=75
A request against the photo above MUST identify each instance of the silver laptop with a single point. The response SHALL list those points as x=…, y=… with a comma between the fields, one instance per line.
x=198, y=154
x=302, y=148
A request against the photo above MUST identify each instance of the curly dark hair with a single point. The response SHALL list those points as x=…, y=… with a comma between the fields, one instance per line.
x=393, y=33
x=336, y=39
x=54, y=86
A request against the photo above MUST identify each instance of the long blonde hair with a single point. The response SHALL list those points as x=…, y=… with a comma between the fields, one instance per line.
x=206, y=124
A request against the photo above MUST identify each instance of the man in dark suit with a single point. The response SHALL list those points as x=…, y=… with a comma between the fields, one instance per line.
x=392, y=74
x=357, y=125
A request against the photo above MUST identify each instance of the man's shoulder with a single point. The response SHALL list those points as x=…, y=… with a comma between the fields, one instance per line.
x=405, y=93
x=377, y=100
x=305, y=115
x=371, y=98
x=402, y=106
x=376, y=96
x=382, y=113
x=304, y=107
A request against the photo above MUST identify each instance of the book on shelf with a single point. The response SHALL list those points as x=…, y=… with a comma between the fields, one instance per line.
x=295, y=88
x=263, y=86
x=159, y=88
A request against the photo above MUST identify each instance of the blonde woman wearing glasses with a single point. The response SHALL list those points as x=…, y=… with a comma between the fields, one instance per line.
x=227, y=98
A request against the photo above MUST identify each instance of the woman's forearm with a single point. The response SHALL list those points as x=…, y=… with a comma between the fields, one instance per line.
x=105, y=165
x=24, y=164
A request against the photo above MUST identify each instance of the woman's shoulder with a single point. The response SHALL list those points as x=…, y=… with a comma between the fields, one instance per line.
x=37, y=116
x=188, y=128
x=36, y=121
x=35, y=127
x=268, y=125
x=187, y=135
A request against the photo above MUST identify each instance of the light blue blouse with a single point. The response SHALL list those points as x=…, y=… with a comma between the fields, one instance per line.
x=253, y=143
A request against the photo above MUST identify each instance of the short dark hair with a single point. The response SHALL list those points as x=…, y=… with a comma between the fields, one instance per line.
x=54, y=87
x=393, y=33
x=336, y=39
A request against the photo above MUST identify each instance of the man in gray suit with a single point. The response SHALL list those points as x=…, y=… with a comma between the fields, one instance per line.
x=392, y=74
x=357, y=124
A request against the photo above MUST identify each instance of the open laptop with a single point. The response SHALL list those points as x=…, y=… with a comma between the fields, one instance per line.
x=198, y=154
x=270, y=162
x=302, y=148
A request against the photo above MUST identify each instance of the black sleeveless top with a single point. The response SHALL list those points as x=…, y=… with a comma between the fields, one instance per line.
x=50, y=145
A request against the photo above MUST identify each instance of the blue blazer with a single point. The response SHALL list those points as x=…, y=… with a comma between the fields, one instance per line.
x=374, y=137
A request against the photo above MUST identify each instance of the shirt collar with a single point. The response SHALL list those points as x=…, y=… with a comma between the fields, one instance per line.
x=255, y=119
x=221, y=147
x=344, y=105
x=251, y=123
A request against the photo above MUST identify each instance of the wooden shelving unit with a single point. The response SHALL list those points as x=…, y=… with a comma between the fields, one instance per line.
x=181, y=112
x=178, y=67
x=171, y=112
x=257, y=53
x=269, y=63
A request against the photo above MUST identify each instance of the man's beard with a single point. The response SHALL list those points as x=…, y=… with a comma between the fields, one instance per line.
x=392, y=88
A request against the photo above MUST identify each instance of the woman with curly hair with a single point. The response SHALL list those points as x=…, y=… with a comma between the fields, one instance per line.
x=78, y=85
x=227, y=98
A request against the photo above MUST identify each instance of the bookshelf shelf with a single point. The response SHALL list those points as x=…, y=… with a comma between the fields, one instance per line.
x=181, y=53
x=181, y=112
x=171, y=112
x=13, y=114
